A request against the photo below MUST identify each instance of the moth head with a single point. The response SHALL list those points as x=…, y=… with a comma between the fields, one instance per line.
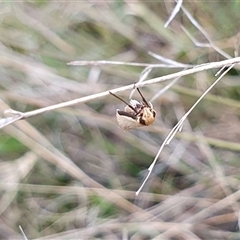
x=146, y=116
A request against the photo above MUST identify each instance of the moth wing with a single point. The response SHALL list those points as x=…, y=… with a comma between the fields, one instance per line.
x=128, y=109
x=134, y=103
x=127, y=123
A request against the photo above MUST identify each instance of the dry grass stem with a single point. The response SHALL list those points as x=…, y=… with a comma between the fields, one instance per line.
x=70, y=172
x=203, y=67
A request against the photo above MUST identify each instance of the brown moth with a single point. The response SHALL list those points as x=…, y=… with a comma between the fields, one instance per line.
x=136, y=114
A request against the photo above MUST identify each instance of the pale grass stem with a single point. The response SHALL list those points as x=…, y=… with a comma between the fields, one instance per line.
x=178, y=127
x=23, y=115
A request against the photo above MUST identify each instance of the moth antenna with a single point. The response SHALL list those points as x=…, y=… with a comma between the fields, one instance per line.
x=143, y=98
x=123, y=101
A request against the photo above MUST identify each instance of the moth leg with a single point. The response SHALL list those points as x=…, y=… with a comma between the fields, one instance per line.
x=127, y=114
x=138, y=112
x=143, y=98
x=123, y=101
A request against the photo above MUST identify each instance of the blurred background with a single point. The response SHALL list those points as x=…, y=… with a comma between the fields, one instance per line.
x=72, y=173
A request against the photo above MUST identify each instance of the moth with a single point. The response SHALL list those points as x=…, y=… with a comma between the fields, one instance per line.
x=136, y=114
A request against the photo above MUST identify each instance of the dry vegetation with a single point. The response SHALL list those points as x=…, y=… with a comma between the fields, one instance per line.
x=72, y=173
